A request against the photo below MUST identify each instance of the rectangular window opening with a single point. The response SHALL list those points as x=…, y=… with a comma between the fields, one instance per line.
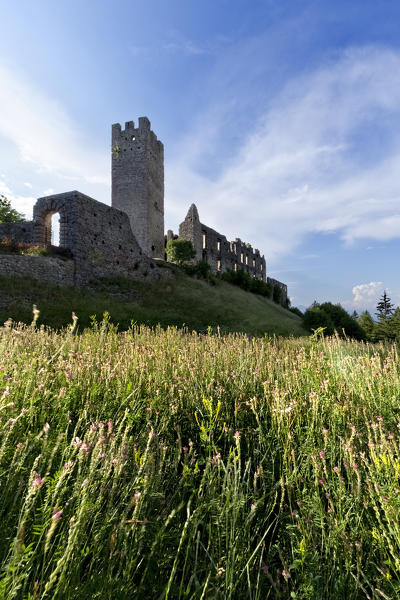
x=204, y=240
x=219, y=245
x=218, y=265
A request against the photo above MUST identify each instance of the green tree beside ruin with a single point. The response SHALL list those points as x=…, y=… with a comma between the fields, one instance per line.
x=180, y=251
x=7, y=213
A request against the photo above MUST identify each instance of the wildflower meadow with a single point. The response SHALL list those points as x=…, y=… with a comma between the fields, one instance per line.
x=157, y=463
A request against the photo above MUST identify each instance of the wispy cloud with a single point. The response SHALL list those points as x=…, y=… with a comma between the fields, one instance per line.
x=23, y=204
x=44, y=134
x=323, y=157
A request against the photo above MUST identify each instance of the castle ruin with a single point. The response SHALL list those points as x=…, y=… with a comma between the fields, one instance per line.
x=124, y=238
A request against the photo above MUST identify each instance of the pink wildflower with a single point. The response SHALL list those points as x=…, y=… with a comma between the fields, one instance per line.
x=322, y=453
x=37, y=481
x=58, y=514
x=286, y=574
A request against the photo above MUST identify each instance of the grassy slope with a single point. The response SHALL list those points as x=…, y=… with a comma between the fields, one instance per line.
x=181, y=301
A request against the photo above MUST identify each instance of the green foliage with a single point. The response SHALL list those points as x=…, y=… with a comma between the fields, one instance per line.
x=368, y=325
x=296, y=311
x=384, y=312
x=384, y=308
x=7, y=213
x=202, y=270
x=277, y=294
x=394, y=324
x=315, y=317
x=229, y=466
x=342, y=321
x=332, y=317
x=180, y=251
x=243, y=279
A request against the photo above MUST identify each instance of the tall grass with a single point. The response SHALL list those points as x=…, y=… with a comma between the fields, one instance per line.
x=166, y=464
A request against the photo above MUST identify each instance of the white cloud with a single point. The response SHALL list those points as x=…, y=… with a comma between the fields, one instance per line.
x=28, y=185
x=23, y=204
x=44, y=134
x=365, y=295
x=324, y=158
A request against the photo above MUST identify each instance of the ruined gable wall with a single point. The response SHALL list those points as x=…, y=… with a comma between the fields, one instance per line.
x=138, y=183
x=217, y=250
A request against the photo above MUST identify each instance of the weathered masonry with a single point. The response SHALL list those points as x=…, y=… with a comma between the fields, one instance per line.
x=122, y=239
x=138, y=183
x=98, y=237
x=220, y=254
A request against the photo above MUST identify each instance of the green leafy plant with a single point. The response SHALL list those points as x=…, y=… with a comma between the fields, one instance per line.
x=180, y=251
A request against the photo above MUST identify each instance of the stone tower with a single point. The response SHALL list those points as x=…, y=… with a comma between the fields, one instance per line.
x=138, y=183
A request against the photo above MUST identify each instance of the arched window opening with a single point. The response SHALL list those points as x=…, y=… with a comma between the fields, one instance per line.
x=55, y=229
x=51, y=231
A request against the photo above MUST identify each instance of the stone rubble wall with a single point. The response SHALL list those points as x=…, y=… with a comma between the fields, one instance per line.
x=99, y=237
x=44, y=268
x=283, y=286
x=21, y=231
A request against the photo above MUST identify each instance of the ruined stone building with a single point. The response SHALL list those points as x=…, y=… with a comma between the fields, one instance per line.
x=214, y=248
x=124, y=238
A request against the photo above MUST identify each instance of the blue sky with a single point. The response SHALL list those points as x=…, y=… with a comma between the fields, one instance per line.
x=280, y=120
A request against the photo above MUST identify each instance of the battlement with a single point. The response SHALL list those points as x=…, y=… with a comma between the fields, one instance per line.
x=122, y=138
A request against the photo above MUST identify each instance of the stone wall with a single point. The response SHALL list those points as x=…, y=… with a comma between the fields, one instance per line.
x=99, y=237
x=220, y=254
x=21, y=231
x=282, y=286
x=44, y=268
x=138, y=183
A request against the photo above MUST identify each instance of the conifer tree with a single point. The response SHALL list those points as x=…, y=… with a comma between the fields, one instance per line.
x=384, y=311
x=384, y=308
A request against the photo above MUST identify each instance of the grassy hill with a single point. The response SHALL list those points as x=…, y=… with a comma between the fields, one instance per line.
x=181, y=301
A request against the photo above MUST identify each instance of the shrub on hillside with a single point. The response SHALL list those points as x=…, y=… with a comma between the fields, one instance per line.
x=180, y=251
x=343, y=322
x=201, y=270
x=332, y=317
x=315, y=317
x=296, y=311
